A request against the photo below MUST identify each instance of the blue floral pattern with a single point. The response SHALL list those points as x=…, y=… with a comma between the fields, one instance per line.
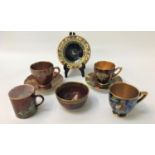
x=121, y=106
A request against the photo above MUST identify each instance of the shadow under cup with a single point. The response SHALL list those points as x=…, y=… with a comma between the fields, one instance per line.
x=43, y=72
x=23, y=100
x=105, y=71
x=123, y=97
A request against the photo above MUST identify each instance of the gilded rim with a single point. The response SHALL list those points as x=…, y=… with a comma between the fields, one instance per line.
x=83, y=44
x=122, y=97
x=96, y=63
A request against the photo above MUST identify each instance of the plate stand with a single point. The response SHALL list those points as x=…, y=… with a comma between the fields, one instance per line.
x=81, y=70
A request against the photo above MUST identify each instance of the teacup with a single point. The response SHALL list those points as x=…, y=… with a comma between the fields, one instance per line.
x=23, y=100
x=105, y=71
x=72, y=95
x=123, y=97
x=43, y=72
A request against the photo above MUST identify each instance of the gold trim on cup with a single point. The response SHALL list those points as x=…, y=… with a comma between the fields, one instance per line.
x=131, y=98
x=108, y=62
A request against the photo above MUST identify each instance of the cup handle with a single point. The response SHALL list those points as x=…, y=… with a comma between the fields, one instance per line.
x=58, y=71
x=117, y=71
x=42, y=100
x=142, y=95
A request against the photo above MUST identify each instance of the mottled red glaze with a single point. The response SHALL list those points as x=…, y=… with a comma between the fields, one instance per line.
x=43, y=72
x=23, y=100
x=72, y=95
x=57, y=81
x=23, y=105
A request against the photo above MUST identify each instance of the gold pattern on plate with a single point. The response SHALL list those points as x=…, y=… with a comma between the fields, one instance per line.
x=82, y=43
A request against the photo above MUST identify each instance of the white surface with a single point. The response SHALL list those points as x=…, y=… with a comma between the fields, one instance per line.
x=134, y=51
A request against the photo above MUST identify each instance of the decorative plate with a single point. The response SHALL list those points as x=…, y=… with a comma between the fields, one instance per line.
x=73, y=51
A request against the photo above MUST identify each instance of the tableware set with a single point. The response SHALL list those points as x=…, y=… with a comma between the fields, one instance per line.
x=74, y=52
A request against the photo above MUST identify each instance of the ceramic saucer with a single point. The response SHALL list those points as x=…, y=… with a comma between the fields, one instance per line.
x=57, y=80
x=91, y=80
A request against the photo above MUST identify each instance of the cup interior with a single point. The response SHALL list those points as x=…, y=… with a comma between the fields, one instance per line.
x=21, y=92
x=42, y=65
x=72, y=91
x=104, y=65
x=124, y=91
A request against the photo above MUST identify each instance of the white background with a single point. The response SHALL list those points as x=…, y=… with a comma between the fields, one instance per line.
x=94, y=15
x=134, y=51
